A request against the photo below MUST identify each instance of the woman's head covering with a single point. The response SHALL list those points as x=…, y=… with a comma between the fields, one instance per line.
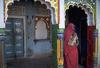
x=69, y=30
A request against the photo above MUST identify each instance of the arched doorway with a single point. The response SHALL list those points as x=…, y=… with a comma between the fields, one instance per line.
x=79, y=18
x=25, y=19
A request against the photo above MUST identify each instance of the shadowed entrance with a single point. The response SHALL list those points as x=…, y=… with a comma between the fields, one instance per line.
x=78, y=17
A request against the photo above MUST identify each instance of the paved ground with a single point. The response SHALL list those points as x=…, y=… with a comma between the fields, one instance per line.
x=31, y=63
x=80, y=66
x=60, y=66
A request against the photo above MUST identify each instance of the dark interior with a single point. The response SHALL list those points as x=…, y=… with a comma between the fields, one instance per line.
x=78, y=17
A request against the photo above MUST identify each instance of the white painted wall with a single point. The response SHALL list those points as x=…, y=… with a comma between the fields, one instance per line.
x=2, y=24
x=98, y=27
x=62, y=15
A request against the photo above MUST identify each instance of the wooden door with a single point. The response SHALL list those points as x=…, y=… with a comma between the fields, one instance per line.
x=90, y=46
x=14, y=42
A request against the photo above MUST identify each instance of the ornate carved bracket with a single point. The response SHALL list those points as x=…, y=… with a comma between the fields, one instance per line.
x=6, y=3
x=86, y=7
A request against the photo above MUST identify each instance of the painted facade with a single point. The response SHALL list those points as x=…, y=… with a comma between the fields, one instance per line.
x=33, y=17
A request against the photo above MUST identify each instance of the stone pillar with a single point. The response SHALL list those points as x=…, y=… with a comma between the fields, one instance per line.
x=2, y=34
x=98, y=27
x=2, y=24
x=60, y=45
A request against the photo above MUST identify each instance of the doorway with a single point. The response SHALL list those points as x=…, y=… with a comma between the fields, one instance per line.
x=78, y=17
x=33, y=46
x=37, y=32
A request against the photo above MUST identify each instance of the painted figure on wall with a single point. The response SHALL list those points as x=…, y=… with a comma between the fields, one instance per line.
x=70, y=47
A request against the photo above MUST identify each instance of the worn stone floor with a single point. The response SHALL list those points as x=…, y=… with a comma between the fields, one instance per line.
x=31, y=63
x=60, y=66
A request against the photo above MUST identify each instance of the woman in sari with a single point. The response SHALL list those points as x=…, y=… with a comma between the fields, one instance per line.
x=70, y=47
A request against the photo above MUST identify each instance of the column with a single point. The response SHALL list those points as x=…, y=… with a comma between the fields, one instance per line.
x=2, y=24
x=98, y=27
x=60, y=45
x=62, y=14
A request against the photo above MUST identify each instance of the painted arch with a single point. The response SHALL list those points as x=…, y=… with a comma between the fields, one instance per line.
x=48, y=5
x=87, y=8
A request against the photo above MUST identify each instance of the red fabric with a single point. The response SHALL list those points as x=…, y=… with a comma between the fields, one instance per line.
x=90, y=47
x=70, y=52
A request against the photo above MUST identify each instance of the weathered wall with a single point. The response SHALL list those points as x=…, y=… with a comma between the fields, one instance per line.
x=30, y=10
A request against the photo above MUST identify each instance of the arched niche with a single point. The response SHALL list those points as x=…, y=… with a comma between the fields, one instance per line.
x=83, y=30
x=87, y=8
x=42, y=28
x=44, y=23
